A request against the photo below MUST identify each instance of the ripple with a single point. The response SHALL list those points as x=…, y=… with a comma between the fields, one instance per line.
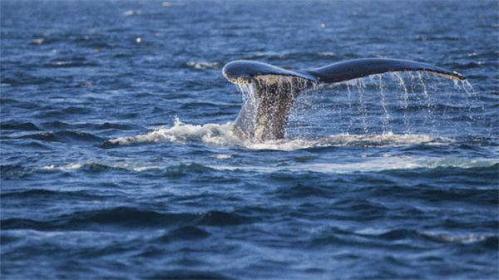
x=63, y=136
x=13, y=171
x=15, y=125
x=127, y=217
x=47, y=194
x=187, y=274
x=185, y=233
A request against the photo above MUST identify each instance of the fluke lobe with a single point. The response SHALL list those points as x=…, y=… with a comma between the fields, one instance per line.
x=272, y=90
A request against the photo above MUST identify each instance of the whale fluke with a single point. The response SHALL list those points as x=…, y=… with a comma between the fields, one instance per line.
x=357, y=68
x=241, y=71
x=272, y=89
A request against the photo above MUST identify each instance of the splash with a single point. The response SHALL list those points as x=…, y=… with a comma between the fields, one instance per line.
x=225, y=135
x=218, y=134
x=397, y=102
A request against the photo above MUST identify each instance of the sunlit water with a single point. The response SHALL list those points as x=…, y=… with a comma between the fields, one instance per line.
x=120, y=157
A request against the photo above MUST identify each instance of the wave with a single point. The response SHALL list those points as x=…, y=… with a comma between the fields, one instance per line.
x=128, y=217
x=370, y=165
x=224, y=135
x=46, y=193
x=13, y=171
x=487, y=168
x=16, y=125
x=487, y=240
x=173, y=171
x=23, y=78
x=87, y=125
x=63, y=136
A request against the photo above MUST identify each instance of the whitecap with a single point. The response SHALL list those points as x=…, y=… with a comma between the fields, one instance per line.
x=218, y=134
x=203, y=65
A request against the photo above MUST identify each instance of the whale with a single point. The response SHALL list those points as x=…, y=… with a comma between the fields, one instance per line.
x=273, y=90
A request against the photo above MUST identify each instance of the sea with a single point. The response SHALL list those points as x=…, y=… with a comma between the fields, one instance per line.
x=119, y=158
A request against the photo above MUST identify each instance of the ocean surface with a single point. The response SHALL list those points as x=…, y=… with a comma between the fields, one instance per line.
x=119, y=160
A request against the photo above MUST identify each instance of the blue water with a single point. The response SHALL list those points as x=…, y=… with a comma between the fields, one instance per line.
x=118, y=158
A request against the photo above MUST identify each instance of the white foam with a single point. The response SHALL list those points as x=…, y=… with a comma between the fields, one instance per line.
x=222, y=156
x=462, y=239
x=203, y=64
x=66, y=167
x=361, y=164
x=218, y=134
x=224, y=135
x=132, y=13
x=369, y=165
x=79, y=165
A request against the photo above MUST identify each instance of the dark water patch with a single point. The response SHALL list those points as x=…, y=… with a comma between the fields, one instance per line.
x=438, y=194
x=116, y=126
x=361, y=209
x=491, y=243
x=185, y=233
x=47, y=194
x=22, y=223
x=219, y=218
x=305, y=158
x=65, y=113
x=87, y=125
x=182, y=170
x=120, y=216
x=125, y=217
x=63, y=136
x=16, y=125
x=93, y=41
x=457, y=223
x=56, y=124
x=485, y=175
x=23, y=78
x=6, y=239
x=398, y=234
x=305, y=190
x=17, y=103
x=287, y=176
x=13, y=171
x=44, y=136
x=187, y=274
x=33, y=145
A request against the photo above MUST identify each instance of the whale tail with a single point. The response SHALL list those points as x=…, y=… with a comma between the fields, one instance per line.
x=357, y=68
x=270, y=91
